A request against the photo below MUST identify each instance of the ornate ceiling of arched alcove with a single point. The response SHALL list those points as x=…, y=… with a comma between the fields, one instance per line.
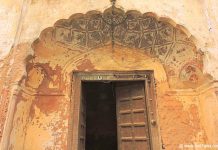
x=157, y=37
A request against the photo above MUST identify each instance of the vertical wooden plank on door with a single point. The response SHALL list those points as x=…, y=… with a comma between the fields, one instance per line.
x=133, y=130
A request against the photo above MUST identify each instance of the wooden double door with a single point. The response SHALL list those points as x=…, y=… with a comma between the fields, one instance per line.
x=136, y=120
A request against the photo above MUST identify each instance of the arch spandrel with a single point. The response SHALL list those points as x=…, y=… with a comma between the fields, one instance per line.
x=160, y=38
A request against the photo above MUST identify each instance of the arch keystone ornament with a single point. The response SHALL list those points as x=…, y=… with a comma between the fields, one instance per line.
x=110, y=41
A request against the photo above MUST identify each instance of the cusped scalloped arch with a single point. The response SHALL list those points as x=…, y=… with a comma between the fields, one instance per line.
x=159, y=37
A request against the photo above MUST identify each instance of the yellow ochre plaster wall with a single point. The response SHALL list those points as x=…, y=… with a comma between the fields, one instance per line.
x=35, y=72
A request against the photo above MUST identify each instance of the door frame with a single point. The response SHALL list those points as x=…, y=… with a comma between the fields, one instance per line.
x=99, y=76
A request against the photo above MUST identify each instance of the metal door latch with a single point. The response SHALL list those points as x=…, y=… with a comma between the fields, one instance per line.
x=153, y=122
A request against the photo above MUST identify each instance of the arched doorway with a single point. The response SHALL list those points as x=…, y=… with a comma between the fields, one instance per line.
x=83, y=43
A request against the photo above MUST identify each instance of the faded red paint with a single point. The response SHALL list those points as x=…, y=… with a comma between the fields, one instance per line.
x=3, y=108
x=194, y=116
x=86, y=65
x=174, y=119
x=49, y=74
x=46, y=104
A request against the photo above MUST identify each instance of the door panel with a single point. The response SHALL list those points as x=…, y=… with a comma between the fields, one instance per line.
x=133, y=131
